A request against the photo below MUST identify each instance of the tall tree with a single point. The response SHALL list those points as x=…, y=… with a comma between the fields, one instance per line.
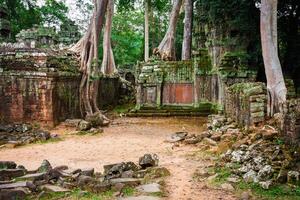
x=187, y=35
x=108, y=63
x=275, y=81
x=88, y=49
x=166, y=49
x=146, y=53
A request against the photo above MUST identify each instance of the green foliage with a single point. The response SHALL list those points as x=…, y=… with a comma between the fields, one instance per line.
x=54, y=12
x=119, y=109
x=25, y=14
x=222, y=175
x=129, y=191
x=235, y=22
x=283, y=192
x=127, y=37
x=22, y=14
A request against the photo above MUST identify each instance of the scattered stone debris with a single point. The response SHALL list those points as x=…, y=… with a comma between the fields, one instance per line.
x=91, y=125
x=18, y=183
x=256, y=155
x=13, y=135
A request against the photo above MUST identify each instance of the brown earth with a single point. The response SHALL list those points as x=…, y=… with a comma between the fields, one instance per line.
x=126, y=139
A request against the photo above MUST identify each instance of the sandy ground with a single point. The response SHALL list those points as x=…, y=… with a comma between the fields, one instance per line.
x=126, y=140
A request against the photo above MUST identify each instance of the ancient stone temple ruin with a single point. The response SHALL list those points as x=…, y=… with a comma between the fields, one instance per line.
x=41, y=84
x=194, y=87
x=43, y=37
x=69, y=33
x=37, y=37
x=5, y=28
x=37, y=85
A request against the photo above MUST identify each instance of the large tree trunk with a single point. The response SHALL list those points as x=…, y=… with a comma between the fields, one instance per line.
x=275, y=81
x=108, y=63
x=187, y=36
x=146, y=54
x=166, y=49
x=87, y=47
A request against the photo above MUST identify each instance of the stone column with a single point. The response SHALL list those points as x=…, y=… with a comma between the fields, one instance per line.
x=138, y=96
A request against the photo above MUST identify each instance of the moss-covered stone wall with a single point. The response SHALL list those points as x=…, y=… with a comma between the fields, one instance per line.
x=246, y=103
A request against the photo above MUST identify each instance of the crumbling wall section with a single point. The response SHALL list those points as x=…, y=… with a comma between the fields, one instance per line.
x=37, y=97
x=246, y=103
x=291, y=123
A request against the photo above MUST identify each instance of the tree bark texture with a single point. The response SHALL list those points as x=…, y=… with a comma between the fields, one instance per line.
x=275, y=81
x=108, y=64
x=166, y=49
x=146, y=53
x=187, y=36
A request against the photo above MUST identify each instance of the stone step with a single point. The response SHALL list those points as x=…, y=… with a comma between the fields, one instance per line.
x=161, y=110
x=169, y=114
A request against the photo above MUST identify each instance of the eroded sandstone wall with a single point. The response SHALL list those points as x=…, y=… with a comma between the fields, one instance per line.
x=38, y=97
x=42, y=85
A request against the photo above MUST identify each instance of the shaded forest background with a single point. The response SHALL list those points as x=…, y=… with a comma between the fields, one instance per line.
x=236, y=23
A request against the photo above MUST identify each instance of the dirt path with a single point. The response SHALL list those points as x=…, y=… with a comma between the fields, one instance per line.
x=126, y=140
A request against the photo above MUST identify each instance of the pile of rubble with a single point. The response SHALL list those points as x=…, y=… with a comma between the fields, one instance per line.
x=18, y=183
x=257, y=155
x=12, y=135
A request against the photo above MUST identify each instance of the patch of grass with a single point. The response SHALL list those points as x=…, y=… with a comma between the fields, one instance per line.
x=128, y=191
x=279, y=141
x=222, y=175
x=279, y=192
x=123, y=108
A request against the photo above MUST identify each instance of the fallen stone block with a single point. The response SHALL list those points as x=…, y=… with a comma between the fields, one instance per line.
x=176, y=137
x=227, y=186
x=7, y=165
x=210, y=142
x=45, y=166
x=26, y=184
x=116, y=170
x=148, y=160
x=53, y=188
x=87, y=172
x=84, y=125
x=100, y=187
x=11, y=173
x=84, y=180
x=33, y=177
x=149, y=188
x=156, y=172
x=126, y=181
x=13, y=194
